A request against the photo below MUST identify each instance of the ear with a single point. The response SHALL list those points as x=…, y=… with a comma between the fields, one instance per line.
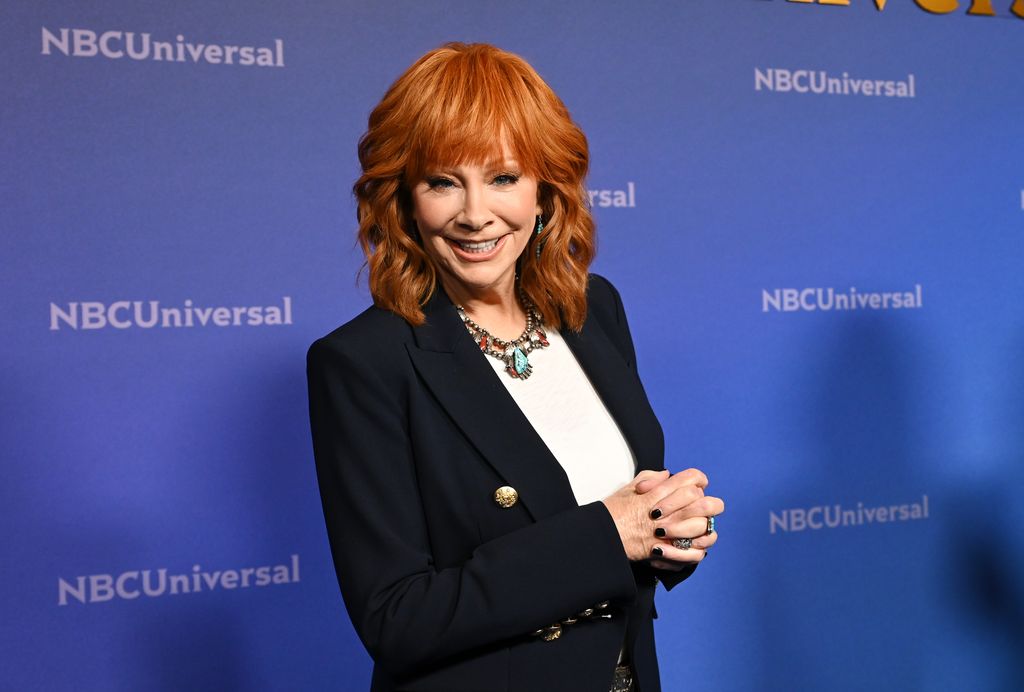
x=543, y=194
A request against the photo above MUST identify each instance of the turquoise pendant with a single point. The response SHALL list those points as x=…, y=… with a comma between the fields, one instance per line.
x=520, y=362
x=517, y=364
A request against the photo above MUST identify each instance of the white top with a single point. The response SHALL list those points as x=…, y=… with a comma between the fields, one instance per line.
x=565, y=410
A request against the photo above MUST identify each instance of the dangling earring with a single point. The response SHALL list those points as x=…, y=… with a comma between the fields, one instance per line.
x=537, y=230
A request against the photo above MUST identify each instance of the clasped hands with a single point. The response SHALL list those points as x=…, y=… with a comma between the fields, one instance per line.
x=656, y=508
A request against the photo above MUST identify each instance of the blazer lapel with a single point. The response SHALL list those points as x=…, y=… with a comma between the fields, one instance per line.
x=458, y=374
x=621, y=391
x=465, y=384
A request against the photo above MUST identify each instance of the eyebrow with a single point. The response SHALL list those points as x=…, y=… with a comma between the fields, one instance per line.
x=488, y=166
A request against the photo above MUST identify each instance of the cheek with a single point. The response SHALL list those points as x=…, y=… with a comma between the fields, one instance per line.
x=524, y=207
x=531, y=202
x=430, y=214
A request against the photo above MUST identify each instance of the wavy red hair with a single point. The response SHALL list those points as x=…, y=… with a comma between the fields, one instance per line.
x=474, y=103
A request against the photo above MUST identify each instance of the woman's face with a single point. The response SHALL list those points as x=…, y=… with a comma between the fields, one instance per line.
x=475, y=220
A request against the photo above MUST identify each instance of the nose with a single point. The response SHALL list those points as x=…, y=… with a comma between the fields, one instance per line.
x=475, y=216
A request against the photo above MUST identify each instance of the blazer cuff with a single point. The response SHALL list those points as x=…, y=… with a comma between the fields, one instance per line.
x=670, y=578
x=598, y=542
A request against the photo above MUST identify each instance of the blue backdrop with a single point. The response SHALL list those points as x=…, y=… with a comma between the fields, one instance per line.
x=814, y=212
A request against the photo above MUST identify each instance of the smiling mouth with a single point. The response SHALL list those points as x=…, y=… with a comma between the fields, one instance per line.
x=476, y=247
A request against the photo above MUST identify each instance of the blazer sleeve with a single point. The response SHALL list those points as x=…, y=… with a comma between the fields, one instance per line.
x=667, y=577
x=409, y=613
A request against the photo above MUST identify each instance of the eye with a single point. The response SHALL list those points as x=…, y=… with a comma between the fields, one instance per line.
x=440, y=183
x=503, y=179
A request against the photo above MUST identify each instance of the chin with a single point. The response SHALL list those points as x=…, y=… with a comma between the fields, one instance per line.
x=480, y=277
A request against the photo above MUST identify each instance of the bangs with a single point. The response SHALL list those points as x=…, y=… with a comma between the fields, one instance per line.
x=475, y=109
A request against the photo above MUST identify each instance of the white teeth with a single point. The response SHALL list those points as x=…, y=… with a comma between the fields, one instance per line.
x=478, y=247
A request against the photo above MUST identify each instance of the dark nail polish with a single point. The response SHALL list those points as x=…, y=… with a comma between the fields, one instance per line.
x=657, y=552
x=659, y=532
x=655, y=513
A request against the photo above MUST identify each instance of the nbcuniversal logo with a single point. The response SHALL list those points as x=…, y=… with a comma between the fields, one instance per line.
x=829, y=299
x=154, y=583
x=115, y=45
x=149, y=314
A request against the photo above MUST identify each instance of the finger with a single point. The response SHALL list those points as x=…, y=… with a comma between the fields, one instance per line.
x=706, y=541
x=667, y=551
x=693, y=527
x=647, y=480
x=691, y=478
x=688, y=497
x=667, y=565
x=707, y=506
x=651, y=482
x=695, y=476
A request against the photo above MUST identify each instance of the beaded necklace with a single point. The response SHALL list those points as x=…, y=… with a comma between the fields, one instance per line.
x=514, y=354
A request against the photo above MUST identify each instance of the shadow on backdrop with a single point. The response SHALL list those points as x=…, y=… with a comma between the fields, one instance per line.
x=828, y=593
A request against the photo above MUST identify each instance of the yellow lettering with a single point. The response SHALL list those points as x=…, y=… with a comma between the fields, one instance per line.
x=983, y=7
x=978, y=7
x=938, y=6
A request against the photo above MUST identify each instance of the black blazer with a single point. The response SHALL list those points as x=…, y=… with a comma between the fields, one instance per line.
x=412, y=433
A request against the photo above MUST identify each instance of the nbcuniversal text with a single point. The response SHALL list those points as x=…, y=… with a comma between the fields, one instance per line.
x=782, y=80
x=147, y=314
x=826, y=299
x=835, y=516
x=114, y=45
x=127, y=586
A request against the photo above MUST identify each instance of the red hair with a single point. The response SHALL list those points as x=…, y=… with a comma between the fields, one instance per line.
x=473, y=103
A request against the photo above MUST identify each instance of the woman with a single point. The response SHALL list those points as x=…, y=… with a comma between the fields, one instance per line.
x=491, y=471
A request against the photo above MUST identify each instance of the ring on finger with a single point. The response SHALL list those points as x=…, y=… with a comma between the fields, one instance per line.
x=683, y=543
